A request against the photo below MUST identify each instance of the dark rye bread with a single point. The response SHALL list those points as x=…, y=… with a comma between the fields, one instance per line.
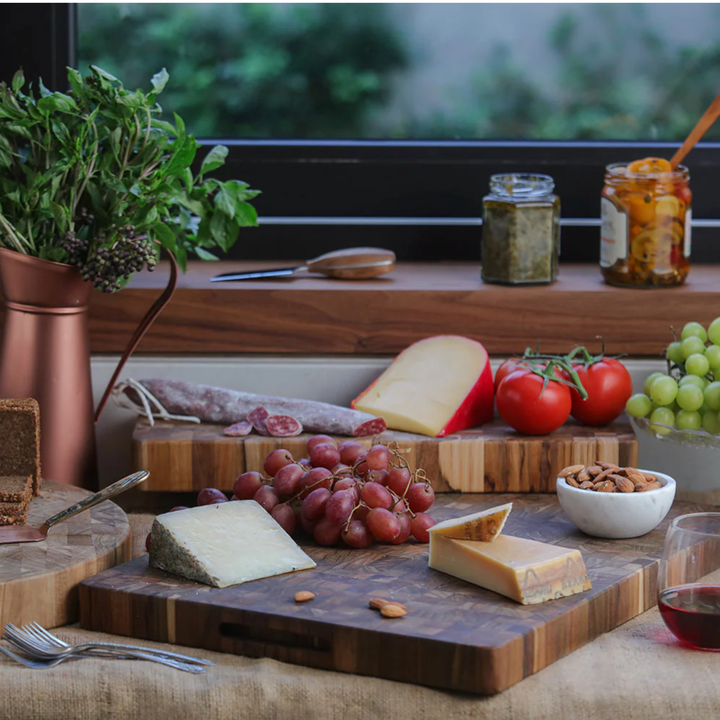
x=15, y=508
x=15, y=489
x=20, y=519
x=20, y=440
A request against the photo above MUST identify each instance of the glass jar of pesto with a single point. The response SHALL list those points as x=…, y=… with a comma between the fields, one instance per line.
x=521, y=230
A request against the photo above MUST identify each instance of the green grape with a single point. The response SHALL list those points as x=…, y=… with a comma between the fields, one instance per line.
x=712, y=396
x=698, y=382
x=714, y=331
x=697, y=365
x=704, y=409
x=665, y=417
x=650, y=379
x=674, y=353
x=694, y=329
x=639, y=405
x=712, y=353
x=664, y=390
x=687, y=420
x=711, y=422
x=692, y=346
x=690, y=398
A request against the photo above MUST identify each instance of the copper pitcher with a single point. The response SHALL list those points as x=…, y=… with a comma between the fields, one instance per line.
x=45, y=354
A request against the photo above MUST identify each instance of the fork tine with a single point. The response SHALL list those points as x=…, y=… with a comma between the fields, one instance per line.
x=47, y=636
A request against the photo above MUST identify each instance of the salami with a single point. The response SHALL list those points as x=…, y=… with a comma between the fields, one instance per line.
x=176, y=399
x=239, y=429
x=258, y=417
x=283, y=426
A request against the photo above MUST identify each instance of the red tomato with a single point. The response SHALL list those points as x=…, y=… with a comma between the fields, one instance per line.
x=608, y=386
x=509, y=366
x=528, y=408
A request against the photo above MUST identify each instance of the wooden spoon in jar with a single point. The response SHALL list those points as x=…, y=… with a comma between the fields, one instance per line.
x=703, y=125
x=351, y=264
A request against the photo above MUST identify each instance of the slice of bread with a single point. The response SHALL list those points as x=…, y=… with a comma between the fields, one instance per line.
x=15, y=489
x=20, y=440
x=20, y=519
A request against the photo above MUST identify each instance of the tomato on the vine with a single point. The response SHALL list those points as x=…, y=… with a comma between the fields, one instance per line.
x=511, y=365
x=529, y=408
x=609, y=387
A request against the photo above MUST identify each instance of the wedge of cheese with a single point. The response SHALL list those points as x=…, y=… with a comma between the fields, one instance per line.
x=224, y=544
x=485, y=525
x=435, y=387
x=524, y=570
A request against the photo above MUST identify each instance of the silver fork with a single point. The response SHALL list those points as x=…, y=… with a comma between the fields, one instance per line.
x=45, y=653
x=41, y=634
x=35, y=664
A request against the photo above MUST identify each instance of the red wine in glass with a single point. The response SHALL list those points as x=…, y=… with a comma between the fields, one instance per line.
x=692, y=613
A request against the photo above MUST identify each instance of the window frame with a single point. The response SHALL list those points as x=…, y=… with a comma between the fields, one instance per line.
x=420, y=198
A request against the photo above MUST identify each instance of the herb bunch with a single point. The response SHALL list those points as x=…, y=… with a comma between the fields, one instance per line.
x=94, y=178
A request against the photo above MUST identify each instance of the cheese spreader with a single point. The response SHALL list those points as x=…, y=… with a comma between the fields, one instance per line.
x=361, y=263
x=24, y=533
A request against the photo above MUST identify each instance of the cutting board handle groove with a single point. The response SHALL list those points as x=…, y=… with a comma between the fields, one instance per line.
x=270, y=636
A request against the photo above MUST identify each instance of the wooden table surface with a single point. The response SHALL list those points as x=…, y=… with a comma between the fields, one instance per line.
x=310, y=315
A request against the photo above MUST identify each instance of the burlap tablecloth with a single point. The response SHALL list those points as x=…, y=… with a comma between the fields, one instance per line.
x=637, y=671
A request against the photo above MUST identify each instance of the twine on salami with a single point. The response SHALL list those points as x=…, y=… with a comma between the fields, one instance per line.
x=141, y=406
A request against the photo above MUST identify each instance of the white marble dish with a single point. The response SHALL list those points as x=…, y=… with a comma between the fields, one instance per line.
x=617, y=515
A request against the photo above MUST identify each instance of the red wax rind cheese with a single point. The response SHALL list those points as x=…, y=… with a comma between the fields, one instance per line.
x=436, y=387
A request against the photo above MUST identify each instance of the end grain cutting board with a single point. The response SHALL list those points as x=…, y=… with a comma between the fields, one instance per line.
x=456, y=636
x=182, y=457
x=39, y=580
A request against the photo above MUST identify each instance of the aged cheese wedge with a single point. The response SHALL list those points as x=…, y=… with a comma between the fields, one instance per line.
x=435, y=387
x=485, y=525
x=524, y=570
x=224, y=544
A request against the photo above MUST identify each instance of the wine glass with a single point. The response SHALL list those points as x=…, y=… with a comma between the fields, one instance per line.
x=688, y=589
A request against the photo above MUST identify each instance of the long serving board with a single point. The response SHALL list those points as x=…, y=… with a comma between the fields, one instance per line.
x=182, y=457
x=456, y=636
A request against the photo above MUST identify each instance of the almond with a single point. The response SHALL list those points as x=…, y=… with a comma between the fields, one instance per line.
x=608, y=466
x=594, y=470
x=582, y=476
x=377, y=603
x=623, y=484
x=636, y=478
x=570, y=470
x=587, y=485
x=304, y=596
x=392, y=610
x=602, y=476
x=607, y=486
x=570, y=480
x=648, y=486
x=649, y=477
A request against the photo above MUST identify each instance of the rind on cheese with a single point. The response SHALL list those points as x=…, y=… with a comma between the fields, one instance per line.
x=436, y=386
x=224, y=544
x=527, y=571
x=485, y=525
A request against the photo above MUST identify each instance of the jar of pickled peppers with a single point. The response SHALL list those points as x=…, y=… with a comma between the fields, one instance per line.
x=646, y=215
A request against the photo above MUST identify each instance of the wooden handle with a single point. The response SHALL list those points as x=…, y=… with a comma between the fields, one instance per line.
x=105, y=494
x=703, y=125
x=354, y=263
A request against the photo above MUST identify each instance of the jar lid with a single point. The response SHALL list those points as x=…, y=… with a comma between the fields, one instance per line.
x=619, y=171
x=521, y=185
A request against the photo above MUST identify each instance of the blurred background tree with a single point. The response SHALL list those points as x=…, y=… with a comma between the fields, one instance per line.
x=339, y=70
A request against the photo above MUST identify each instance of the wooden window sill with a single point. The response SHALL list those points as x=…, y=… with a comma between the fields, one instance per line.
x=305, y=315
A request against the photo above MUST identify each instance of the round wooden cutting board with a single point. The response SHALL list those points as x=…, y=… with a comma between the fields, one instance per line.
x=39, y=580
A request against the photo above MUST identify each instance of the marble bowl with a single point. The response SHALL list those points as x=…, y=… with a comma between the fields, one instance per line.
x=617, y=515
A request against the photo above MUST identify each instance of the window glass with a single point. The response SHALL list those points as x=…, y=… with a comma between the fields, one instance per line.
x=418, y=71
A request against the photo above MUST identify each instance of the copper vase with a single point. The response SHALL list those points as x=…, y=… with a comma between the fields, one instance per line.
x=45, y=354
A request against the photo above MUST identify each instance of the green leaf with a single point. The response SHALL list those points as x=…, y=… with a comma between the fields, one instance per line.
x=59, y=214
x=194, y=206
x=225, y=202
x=20, y=130
x=99, y=72
x=55, y=254
x=187, y=178
x=179, y=124
x=214, y=159
x=163, y=125
x=181, y=257
x=165, y=235
x=114, y=138
x=5, y=143
x=204, y=254
x=245, y=215
x=60, y=131
x=76, y=82
x=184, y=155
x=18, y=81
x=57, y=102
x=147, y=216
x=159, y=80
x=224, y=230
x=5, y=158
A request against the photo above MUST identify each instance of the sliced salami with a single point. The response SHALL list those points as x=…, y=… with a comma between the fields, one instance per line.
x=258, y=417
x=283, y=426
x=239, y=429
x=218, y=405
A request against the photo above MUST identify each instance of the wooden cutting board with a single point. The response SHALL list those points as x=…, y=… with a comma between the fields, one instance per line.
x=456, y=636
x=39, y=580
x=494, y=458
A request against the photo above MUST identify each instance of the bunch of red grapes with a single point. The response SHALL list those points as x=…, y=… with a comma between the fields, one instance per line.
x=341, y=492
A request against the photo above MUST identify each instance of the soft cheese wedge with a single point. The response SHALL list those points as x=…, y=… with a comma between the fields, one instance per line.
x=524, y=570
x=224, y=544
x=435, y=387
x=485, y=525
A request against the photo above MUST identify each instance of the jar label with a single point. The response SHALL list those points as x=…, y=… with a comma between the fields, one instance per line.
x=688, y=233
x=613, y=233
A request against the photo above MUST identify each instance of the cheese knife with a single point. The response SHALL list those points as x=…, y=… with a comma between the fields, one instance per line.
x=24, y=533
x=361, y=263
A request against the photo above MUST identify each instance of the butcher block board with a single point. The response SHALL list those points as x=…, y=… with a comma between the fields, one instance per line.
x=455, y=636
x=182, y=457
x=39, y=580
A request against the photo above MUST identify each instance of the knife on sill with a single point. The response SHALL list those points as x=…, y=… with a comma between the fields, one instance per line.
x=361, y=263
